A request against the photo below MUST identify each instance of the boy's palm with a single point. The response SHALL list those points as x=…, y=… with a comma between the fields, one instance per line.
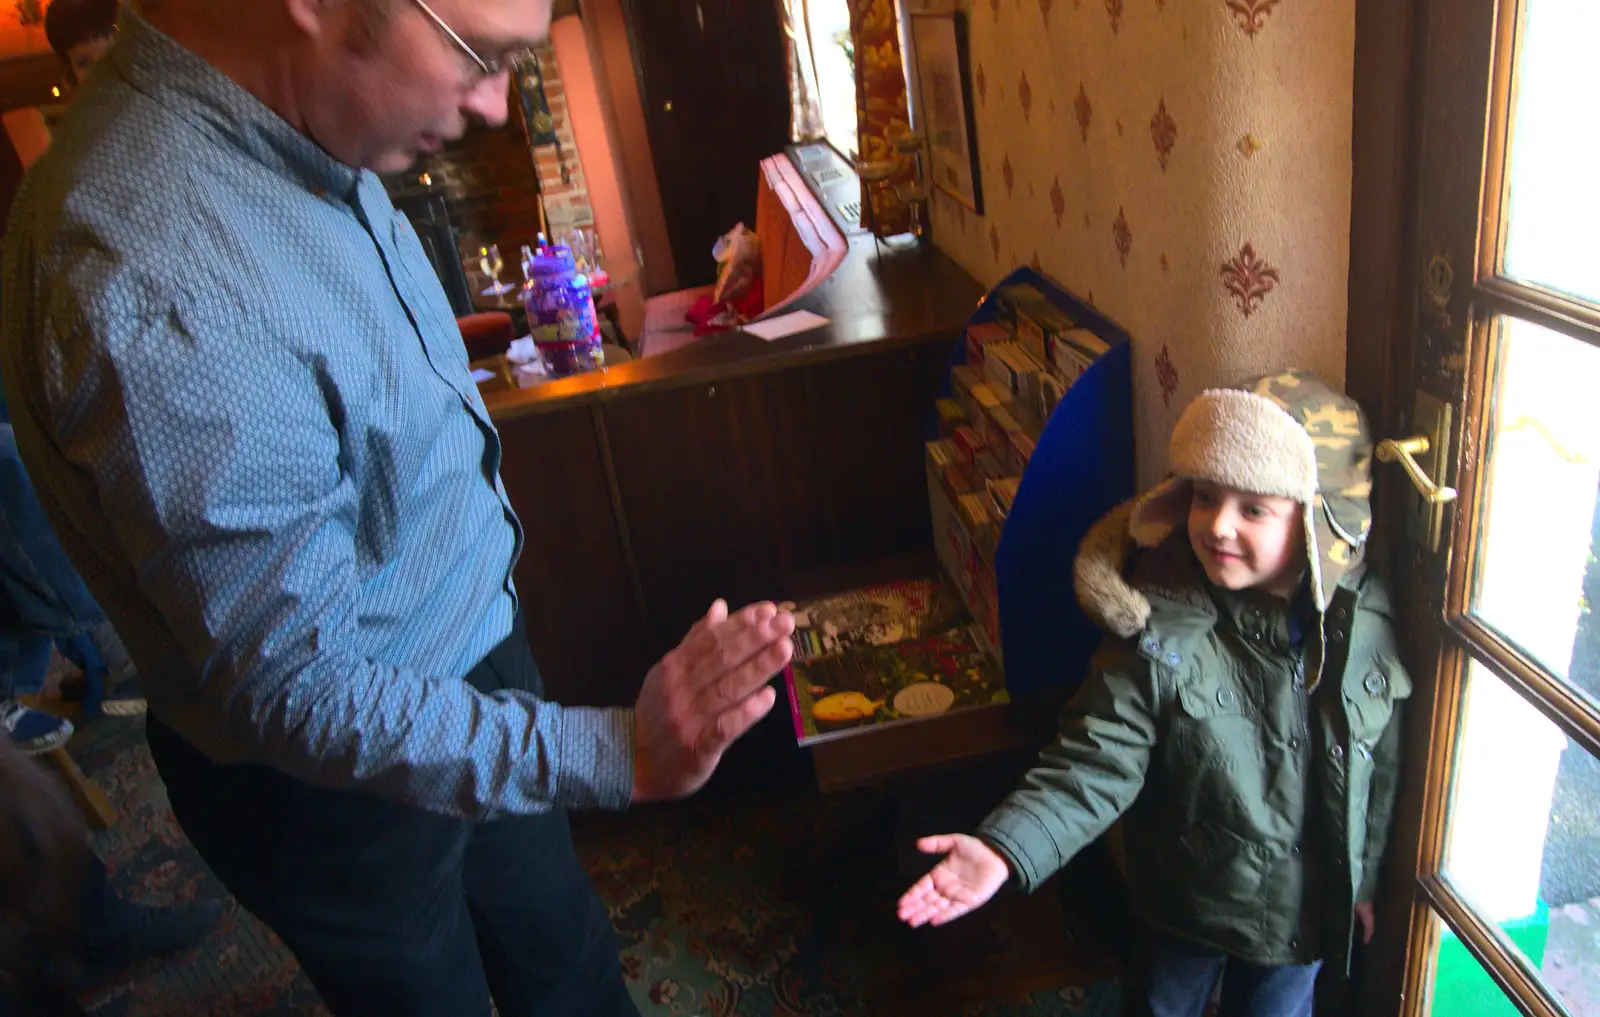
x=970, y=874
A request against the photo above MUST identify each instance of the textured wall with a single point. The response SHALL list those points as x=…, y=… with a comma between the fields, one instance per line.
x=1185, y=165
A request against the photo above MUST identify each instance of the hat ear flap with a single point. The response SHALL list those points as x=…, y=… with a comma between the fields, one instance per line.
x=1159, y=511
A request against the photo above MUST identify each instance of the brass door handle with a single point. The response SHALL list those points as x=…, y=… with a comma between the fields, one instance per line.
x=1402, y=451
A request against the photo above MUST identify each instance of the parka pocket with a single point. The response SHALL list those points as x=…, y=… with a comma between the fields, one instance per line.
x=1222, y=866
x=1213, y=726
x=1370, y=697
x=1202, y=700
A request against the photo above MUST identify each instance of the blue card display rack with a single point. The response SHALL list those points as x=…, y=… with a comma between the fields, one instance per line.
x=1081, y=468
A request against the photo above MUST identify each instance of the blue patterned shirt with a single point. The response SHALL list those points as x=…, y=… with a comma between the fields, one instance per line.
x=245, y=402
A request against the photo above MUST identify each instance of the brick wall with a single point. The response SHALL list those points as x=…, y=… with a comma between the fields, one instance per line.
x=566, y=198
x=487, y=177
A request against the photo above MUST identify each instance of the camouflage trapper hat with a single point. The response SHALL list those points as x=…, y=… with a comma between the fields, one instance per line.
x=1288, y=434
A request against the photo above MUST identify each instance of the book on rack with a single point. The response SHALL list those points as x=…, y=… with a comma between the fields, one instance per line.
x=873, y=616
x=873, y=685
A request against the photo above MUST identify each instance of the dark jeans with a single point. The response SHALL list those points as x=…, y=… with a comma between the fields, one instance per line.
x=395, y=911
x=42, y=597
x=1170, y=978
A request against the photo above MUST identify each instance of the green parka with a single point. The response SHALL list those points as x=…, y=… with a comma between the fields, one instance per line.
x=1254, y=812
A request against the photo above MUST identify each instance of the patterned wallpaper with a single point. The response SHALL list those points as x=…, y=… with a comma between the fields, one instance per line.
x=1182, y=164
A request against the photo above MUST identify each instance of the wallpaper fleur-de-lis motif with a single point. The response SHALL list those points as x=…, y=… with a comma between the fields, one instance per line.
x=1122, y=236
x=1249, y=278
x=1164, y=221
x=1163, y=132
x=1166, y=375
x=1251, y=14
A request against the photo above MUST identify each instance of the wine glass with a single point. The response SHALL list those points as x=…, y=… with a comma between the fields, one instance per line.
x=489, y=260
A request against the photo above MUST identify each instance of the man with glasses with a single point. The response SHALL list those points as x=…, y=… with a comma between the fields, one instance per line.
x=246, y=407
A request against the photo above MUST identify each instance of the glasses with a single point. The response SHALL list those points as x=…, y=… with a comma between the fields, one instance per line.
x=490, y=68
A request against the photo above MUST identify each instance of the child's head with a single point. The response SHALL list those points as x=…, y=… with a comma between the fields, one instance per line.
x=1246, y=540
x=1273, y=477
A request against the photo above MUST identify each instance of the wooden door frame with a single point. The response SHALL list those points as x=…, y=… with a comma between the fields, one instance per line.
x=1378, y=356
x=1406, y=336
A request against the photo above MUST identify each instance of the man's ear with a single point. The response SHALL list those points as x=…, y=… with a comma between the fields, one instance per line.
x=319, y=18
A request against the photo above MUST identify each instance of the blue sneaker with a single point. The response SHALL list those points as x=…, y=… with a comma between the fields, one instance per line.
x=33, y=732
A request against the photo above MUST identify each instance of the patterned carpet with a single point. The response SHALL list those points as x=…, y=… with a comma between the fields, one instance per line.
x=746, y=908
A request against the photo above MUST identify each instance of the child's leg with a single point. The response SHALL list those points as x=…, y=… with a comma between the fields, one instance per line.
x=1167, y=977
x=1250, y=990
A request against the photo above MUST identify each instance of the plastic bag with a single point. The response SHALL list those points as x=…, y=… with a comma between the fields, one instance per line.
x=738, y=255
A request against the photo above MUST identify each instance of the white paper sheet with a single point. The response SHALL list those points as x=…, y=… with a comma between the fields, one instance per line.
x=785, y=325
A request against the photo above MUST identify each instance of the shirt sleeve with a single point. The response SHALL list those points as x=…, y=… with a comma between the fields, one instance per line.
x=219, y=465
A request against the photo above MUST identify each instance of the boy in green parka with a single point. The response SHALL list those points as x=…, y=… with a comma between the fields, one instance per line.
x=1241, y=718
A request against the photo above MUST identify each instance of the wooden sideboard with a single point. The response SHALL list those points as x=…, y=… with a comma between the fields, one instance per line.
x=732, y=468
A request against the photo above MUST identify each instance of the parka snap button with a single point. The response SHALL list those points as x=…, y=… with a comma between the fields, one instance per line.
x=1152, y=645
x=1224, y=697
x=1294, y=944
x=1174, y=659
x=1336, y=753
x=1376, y=684
x=1338, y=614
x=1294, y=743
x=1295, y=850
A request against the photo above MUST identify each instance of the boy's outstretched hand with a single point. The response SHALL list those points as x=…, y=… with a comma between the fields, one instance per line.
x=970, y=874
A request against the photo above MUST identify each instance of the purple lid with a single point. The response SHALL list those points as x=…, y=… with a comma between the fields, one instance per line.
x=554, y=260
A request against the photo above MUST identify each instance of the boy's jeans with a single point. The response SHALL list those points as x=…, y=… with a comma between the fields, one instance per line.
x=42, y=597
x=1170, y=978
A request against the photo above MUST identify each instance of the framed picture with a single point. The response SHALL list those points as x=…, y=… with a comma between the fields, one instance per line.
x=944, y=86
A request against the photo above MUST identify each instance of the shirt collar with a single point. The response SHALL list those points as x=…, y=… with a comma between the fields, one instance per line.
x=157, y=65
